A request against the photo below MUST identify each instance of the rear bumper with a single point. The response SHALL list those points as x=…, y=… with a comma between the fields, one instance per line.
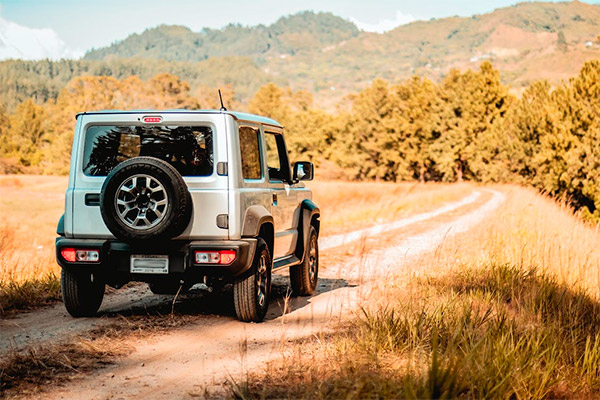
x=115, y=258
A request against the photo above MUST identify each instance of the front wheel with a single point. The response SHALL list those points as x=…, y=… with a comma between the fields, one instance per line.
x=304, y=277
x=82, y=292
x=251, y=294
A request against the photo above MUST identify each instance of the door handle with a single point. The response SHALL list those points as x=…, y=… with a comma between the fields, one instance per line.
x=274, y=199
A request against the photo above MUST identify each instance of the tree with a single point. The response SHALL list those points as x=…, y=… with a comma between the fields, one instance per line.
x=471, y=103
x=579, y=104
x=269, y=101
x=371, y=147
x=26, y=137
x=415, y=115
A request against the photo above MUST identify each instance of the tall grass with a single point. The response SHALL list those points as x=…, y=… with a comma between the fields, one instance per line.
x=29, y=208
x=508, y=310
x=27, y=278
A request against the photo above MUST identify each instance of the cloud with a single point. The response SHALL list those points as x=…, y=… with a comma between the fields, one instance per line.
x=21, y=42
x=385, y=25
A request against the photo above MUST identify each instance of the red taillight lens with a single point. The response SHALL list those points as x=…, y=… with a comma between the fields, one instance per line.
x=68, y=254
x=223, y=257
x=227, y=257
x=80, y=255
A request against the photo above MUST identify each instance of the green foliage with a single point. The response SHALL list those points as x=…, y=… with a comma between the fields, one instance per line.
x=24, y=134
x=43, y=80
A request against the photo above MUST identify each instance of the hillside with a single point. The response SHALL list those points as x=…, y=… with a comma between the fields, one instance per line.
x=321, y=51
x=304, y=32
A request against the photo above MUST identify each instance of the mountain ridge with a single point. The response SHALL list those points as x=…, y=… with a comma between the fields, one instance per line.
x=321, y=51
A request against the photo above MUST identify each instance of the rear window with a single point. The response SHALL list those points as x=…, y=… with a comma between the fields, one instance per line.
x=187, y=148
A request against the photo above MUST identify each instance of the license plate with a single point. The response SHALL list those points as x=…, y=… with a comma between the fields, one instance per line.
x=149, y=264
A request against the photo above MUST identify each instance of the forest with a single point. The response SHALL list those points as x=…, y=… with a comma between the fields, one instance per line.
x=465, y=127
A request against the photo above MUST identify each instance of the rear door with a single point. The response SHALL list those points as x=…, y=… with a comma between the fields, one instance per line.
x=193, y=143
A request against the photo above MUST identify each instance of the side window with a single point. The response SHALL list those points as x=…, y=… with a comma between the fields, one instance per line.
x=277, y=159
x=250, y=152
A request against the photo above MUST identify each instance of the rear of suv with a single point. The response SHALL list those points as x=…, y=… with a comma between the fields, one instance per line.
x=176, y=198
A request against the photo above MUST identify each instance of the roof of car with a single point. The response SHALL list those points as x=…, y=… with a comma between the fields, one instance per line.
x=241, y=116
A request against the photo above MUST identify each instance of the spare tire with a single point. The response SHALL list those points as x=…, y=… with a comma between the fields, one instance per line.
x=145, y=198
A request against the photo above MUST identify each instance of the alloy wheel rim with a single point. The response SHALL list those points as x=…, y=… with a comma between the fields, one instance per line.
x=141, y=202
x=261, y=286
x=312, y=261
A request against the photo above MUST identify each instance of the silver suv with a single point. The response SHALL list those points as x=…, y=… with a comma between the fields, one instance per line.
x=176, y=198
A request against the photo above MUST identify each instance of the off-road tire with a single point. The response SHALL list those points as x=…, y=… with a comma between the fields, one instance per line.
x=177, y=213
x=168, y=287
x=249, y=307
x=82, y=292
x=304, y=277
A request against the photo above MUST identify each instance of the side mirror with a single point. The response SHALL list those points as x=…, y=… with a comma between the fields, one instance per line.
x=304, y=171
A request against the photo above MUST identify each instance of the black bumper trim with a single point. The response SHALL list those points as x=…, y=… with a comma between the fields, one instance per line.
x=115, y=258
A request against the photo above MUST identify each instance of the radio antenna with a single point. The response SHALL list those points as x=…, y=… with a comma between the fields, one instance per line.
x=221, y=100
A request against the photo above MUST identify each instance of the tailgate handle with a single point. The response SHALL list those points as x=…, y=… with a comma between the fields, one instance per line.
x=92, y=199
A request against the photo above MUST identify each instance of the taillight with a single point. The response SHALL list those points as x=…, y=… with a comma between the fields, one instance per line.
x=80, y=255
x=222, y=257
x=68, y=254
x=227, y=256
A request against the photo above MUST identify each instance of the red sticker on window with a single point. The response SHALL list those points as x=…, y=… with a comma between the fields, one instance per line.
x=152, y=120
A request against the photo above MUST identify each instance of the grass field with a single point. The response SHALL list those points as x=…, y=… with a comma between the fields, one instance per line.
x=30, y=207
x=508, y=310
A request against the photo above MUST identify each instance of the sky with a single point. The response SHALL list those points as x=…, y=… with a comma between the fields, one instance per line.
x=34, y=29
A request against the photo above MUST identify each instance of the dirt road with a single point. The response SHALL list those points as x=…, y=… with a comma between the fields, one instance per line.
x=185, y=362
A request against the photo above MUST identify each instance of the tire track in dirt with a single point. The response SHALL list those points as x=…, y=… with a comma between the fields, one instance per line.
x=187, y=361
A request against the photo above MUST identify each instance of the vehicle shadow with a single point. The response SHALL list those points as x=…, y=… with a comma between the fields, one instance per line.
x=218, y=302
x=282, y=301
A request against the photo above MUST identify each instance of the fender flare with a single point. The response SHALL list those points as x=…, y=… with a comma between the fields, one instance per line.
x=309, y=212
x=254, y=218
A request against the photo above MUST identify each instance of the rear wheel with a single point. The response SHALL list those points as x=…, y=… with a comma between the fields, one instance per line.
x=304, y=277
x=251, y=294
x=82, y=292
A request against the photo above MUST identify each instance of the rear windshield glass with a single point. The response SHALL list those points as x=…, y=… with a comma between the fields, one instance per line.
x=187, y=148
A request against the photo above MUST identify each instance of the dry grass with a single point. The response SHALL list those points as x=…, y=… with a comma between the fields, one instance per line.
x=30, y=207
x=508, y=310
x=26, y=373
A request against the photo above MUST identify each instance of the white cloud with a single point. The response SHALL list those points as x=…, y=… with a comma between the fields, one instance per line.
x=385, y=25
x=21, y=42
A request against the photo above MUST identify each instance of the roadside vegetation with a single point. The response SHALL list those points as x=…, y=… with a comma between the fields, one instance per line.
x=510, y=309
x=29, y=208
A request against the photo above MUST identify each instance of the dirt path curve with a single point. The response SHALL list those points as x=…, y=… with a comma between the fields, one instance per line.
x=185, y=362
